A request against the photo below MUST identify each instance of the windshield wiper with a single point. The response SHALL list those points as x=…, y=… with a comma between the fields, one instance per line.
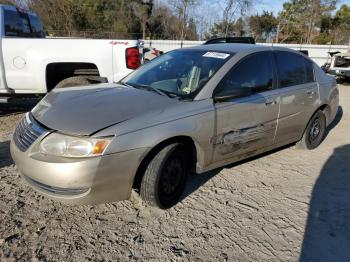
x=154, y=89
x=151, y=88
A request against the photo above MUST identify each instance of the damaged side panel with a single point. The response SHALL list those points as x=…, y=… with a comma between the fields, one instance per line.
x=241, y=140
x=245, y=126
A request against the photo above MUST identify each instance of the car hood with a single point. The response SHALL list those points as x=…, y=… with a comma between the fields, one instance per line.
x=88, y=109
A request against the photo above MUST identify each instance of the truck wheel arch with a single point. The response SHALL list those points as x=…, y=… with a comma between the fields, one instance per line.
x=58, y=71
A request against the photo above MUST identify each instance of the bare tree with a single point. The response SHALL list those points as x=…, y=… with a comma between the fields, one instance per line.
x=316, y=8
x=18, y=3
x=232, y=7
x=143, y=11
x=182, y=8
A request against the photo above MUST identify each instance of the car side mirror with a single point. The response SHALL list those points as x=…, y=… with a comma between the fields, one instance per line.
x=231, y=93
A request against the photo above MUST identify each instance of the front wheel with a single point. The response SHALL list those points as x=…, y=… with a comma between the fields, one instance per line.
x=165, y=176
x=314, y=132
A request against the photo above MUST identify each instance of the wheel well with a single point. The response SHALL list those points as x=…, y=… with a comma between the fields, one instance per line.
x=56, y=72
x=326, y=110
x=187, y=141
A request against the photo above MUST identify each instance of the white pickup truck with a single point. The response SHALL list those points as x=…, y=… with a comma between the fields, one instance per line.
x=31, y=64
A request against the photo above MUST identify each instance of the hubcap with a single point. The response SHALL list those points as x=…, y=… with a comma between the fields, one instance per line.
x=171, y=177
x=315, y=130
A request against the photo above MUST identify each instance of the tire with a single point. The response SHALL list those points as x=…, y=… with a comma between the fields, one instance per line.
x=73, y=81
x=165, y=177
x=314, y=132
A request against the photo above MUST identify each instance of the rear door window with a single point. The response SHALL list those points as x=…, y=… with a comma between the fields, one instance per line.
x=292, y=69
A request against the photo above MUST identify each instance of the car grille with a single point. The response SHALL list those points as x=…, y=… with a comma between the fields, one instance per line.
x=27, y=132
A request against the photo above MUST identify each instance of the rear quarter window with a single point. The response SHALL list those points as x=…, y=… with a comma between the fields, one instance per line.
x=309, y=67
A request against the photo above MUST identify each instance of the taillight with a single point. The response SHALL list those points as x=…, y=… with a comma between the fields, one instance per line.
x=132, y=58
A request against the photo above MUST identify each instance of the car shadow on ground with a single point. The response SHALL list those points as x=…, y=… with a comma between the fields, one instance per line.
x=327, y=232
x=336, y=120
x=5, y=156
x=196, y=181
x=18, y=106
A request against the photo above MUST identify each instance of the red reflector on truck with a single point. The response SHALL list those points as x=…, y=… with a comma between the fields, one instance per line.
x=132, y=58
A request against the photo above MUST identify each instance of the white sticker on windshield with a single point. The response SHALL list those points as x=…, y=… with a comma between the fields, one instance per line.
x=216, y=55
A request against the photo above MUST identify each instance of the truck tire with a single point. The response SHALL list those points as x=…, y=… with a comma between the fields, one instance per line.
x=165, y=177
x=73, y=81
x=314, y=132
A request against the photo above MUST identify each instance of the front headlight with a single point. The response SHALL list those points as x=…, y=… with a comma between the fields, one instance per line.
x=69, y=146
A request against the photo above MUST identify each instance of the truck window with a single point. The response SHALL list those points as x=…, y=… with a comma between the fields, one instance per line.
x=26, y=26
x=22, y=25
x=13, y=24
x=37, y=28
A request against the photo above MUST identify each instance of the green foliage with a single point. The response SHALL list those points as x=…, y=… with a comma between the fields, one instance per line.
x=342, y=18
x=234, y=28
x=264, y=26
x=111, y=18
x=300, y=20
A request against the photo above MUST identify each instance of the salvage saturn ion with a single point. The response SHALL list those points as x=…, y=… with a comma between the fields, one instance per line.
x=190, y=110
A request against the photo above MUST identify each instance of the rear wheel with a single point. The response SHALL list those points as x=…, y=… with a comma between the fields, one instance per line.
x=73, y=81
x=314, y=132
x=165, y=176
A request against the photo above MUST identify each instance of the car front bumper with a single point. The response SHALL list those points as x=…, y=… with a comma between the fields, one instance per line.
x=95, y=180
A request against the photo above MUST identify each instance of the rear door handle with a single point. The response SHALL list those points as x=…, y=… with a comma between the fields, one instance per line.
x=310, y=92
x=270, y=102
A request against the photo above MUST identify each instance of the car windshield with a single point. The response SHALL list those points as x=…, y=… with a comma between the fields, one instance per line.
x=180, y=73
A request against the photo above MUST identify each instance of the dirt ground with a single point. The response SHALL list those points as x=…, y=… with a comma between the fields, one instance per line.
x=286, y=205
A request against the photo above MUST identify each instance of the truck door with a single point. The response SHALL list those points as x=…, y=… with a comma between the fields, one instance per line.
x=16, y=46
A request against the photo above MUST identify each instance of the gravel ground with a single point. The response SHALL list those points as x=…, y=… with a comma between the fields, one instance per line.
x=280, y=206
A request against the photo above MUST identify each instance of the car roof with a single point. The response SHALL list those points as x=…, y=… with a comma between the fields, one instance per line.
x=238, y=48
x=228, y=47
x=231, y=40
